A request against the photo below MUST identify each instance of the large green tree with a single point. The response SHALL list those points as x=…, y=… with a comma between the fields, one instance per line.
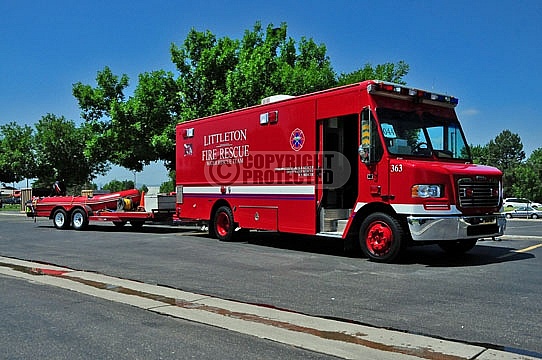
x=16, y=152
x=388, y=72
x=117, y=185
x=528, y=178
x=213, y=75
x=506, y=153
x=60, y=146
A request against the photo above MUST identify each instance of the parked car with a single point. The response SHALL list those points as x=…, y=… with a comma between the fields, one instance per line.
x=524, y=212
x=12, y=200
x=515, y=202
x=535, y=205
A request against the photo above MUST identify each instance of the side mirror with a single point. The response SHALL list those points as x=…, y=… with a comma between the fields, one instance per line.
x=364, y=154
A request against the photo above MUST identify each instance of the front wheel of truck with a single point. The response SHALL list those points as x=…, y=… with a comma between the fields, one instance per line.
x=381, y=237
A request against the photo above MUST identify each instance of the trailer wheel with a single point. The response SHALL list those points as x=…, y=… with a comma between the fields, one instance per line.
x=457, y=247
x=60, y=219
x=381, y=237
x=223, y=225
x=79, y=219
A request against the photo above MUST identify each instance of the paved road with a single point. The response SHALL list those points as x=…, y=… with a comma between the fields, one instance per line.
x=492, y=295
x=45, y=322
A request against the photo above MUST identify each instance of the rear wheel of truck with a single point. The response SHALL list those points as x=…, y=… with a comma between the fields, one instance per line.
x=60, y=219
x=458, y=246
x=223, y=225
x=79, y=219
x=381, y=237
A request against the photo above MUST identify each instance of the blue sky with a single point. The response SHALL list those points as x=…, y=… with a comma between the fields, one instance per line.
x=486, y=53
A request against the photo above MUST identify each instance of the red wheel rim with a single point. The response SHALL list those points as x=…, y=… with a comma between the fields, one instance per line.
x=222, y=224
x=379, y=238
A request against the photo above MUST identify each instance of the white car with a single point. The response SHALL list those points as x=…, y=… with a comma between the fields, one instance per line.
x=526, y=212
x=515, y=202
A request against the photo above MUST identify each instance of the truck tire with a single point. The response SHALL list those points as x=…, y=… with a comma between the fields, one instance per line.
x=60, y=219
x=381, y=238
x=79, y=219
x=223, y=225
x=457, y=247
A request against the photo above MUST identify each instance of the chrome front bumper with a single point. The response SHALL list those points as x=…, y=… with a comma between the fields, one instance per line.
x=456, y=227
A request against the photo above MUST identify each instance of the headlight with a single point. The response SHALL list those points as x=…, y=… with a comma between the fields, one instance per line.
x=427, y=191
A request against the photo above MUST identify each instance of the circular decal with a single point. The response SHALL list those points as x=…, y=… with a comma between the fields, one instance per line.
x=297, y=139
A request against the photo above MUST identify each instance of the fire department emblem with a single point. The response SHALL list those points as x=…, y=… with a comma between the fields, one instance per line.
x=297, y=139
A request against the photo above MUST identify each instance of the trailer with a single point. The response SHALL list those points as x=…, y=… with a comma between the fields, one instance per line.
x=120, y=208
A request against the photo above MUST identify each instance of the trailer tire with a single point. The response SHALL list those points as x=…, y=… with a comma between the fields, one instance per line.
x=60, y=219
x=79, y=219
x=381, y=238
x=223, y=225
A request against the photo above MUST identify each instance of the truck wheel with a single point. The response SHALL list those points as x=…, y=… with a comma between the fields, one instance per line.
x=458, y=246
x=60, y=219
x=223, y=225
x=79, y=219
x=381, y=237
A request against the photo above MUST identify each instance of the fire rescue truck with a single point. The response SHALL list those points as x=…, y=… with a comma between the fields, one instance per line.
x=380, y=164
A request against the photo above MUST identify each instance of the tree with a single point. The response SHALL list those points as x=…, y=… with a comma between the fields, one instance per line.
x=528, y=178
x=387, y=72
x=506, y=150
x=506, y=153
x=16, y=152
x=116, y=185
x=270, y=64
x=97, y=105
x=203, y=63
x=168, y=186
x=479, y=154
x=214, y=75
x=147, y=121
x=60, y=146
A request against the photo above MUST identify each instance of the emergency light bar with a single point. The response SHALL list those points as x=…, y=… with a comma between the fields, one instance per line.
x=401, y=92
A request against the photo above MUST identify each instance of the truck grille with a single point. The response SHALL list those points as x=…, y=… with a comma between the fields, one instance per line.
x=478, y=192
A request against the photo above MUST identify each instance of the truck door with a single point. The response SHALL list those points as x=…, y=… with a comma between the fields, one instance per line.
x=337, y=179
x=374, y=168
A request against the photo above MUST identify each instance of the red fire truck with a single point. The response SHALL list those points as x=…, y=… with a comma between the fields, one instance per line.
x=380, y=164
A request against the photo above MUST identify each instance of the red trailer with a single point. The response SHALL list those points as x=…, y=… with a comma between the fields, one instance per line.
x=77, y=211
x=382, y=164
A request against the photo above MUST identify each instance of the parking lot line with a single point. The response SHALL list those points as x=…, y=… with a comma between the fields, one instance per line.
x=527, y=249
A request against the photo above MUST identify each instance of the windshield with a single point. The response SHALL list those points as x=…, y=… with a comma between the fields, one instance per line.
x=425, y=135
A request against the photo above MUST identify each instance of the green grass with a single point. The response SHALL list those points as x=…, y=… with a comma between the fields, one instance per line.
x=11, y=207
